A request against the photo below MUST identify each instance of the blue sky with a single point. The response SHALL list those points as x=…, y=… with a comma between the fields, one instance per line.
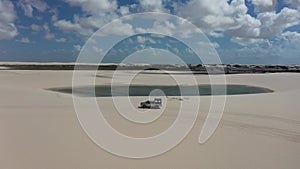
x=242, y=31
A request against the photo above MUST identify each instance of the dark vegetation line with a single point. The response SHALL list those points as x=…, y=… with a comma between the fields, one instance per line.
x=196, y=69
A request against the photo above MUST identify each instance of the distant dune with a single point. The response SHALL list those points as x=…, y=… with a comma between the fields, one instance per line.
x=195, y=68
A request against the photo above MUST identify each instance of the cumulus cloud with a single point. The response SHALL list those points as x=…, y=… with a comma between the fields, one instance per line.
x=23, y=40
x=124, y=10
x=29, y=5
x=118, y=28
x=66, y=25
x=96, y=14
x=100, y=12
x=209, y=14
x=152, y=5
x=245, y=27
x=8, y=29
x=221, y=16
x=233, y=18
x=169, y=28
x=215, y=17
x=273, y=24
x=288, y=40
x=281, y=49
x=165, y=27
x=295, y=3
x=36, y=27
x=43, y=28
x=74, y=27
x=264, y=5
x=94, y=6
x=247, y=41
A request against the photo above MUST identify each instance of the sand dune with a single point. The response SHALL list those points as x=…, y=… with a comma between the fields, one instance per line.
x=39, y=128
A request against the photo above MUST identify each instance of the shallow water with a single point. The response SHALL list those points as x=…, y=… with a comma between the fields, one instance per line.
x=201, y=90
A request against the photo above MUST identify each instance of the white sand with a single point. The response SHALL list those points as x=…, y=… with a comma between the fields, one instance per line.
x=39, y=128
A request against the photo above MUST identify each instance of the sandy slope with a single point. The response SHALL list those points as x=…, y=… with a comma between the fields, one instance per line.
x=39, y=128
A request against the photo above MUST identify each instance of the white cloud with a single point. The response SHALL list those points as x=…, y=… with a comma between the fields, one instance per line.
x=220, y=16
x=98, y=50
x=169, y=27
x=209, y=14
x=284, y=40
x=23, y=40
x=74, y=27
x=274, y=23
x=96, y=14
x=216, y=34
x=77, y=47
x=215, y=44
x=54, y=13
x=264, y=5
x=118, y=28
x=61, y=40
x=66, y=25
x=8, y=29
x=215, y=17
x=124, y=10
x=208, y=45
x=94, y=6
x=247, y=41
x=29, y=5
x=36, y=27
x=175, y=50
x=100, y=12
x=246, y=27
x=48, y=34
x=155, y=3
x=295, y=3
x=152, y=5
x=46, y=27
x=140, y=39
x=143, y=39
x=85, y=26
x=151, y=40
x=288, y=40
x=189, y=51
x=27, y=8
x=281, y=49
x=223, y=17
x=164, y=27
